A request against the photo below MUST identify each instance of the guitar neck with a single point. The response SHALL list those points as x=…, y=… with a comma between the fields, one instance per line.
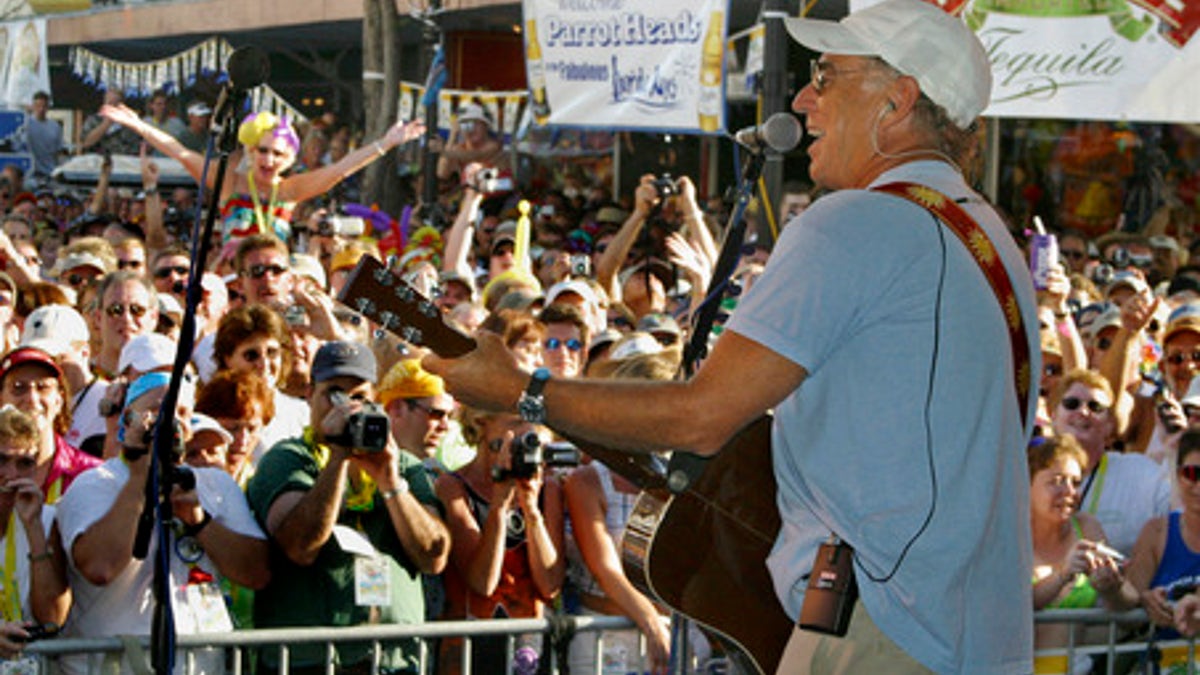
x=380, y=295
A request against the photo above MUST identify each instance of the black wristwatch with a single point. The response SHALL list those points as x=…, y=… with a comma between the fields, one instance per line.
x=532, y=405
x=194, y=530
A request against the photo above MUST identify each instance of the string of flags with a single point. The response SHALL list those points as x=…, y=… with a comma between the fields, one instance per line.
x=171, y=74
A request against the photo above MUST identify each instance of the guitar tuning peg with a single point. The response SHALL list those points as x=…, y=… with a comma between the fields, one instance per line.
x=405, y=294
x=393, y=262
x=365, y=306
x=384, y=277
x=412, y=335
x=428, y=309
x=388, y=320
x=378, y=334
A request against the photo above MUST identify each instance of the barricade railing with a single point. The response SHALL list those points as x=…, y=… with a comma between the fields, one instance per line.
x=1118, y=643
x=237, y=644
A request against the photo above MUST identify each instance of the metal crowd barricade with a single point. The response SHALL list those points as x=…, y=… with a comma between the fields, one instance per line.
x=1114, y=647
x=237, y=643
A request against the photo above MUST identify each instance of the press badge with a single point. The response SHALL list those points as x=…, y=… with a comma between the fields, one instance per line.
x=372, y=585
x=208, y=608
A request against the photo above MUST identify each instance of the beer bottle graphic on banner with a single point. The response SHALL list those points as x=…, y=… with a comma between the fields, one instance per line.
x=711, y=57
x=537, y=74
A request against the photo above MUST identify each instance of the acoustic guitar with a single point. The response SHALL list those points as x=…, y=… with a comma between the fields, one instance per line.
x=700, y=532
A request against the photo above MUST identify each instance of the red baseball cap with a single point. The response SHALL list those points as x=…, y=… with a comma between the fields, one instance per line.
x=27, y=355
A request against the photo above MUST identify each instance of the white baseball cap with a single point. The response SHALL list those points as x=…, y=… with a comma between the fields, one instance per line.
x=53, y=329
x=146, y=353
x=918, y=39
x=202, y=423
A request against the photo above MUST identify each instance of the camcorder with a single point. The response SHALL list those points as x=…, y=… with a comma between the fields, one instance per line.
x=489, y=181
x=367, y=430
x=528, y=453
x=136, y=448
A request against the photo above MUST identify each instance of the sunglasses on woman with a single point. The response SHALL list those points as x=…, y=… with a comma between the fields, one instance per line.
x=1094, y=406
x=1190, y=472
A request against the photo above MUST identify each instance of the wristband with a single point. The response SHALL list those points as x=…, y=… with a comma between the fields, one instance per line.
x=379, y=149
x=153, y=187
x=194, y=530
x=400, y=489
x=38, y=557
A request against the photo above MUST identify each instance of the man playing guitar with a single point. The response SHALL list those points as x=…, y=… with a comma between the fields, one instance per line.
x=889, y=352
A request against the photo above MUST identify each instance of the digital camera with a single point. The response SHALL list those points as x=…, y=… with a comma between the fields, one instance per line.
x=580, y=265
x=341, y=226
x=666, y=186
x=490, y=181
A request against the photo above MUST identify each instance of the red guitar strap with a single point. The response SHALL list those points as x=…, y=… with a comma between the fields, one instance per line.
x=984, y=252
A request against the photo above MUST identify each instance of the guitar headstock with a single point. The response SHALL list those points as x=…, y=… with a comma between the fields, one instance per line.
x=383, y=297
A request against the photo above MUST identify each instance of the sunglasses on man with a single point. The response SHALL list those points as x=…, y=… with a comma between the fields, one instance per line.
x=260, y=271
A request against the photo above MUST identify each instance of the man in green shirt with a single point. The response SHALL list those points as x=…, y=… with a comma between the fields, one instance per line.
x=351, y=530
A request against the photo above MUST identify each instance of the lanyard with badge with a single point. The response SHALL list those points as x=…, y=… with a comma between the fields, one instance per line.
x=202, y=593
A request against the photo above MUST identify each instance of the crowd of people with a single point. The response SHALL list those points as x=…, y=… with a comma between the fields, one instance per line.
x=289, y=511
x=435, y=520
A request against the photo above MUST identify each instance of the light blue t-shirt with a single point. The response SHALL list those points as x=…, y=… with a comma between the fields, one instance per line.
x=910, y=386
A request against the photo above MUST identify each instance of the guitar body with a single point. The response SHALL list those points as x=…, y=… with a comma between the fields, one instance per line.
x=703, y=551
x=701, y=547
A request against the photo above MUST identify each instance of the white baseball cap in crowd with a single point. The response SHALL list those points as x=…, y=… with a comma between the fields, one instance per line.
x=199, y=109
x=918, y=39
x=149, y=352
x=53, y=329
x=204, y=423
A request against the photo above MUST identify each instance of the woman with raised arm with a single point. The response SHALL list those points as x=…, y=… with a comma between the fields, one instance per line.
x=259, y=198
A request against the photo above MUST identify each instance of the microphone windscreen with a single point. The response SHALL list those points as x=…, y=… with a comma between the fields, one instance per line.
x=248, y=67
x=782, y=132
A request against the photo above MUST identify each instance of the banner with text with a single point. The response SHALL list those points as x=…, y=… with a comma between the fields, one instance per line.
x=24, y=67
x=1131, y=60
x=624, y=64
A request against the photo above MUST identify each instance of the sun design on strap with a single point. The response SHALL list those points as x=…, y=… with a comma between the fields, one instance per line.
x=982, y=247
x=1012, y=312
x=930, y=198
x=1023, y=379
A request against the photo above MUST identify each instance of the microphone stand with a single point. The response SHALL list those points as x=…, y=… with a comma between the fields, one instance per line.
x=157, y=511
x=684, y=467
x=731, y=251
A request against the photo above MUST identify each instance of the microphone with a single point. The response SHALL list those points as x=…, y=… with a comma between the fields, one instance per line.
x=781, y=132
x=247, y=67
